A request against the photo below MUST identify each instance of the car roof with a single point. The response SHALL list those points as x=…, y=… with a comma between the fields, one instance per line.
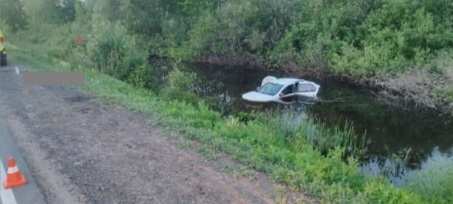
x=287, y=81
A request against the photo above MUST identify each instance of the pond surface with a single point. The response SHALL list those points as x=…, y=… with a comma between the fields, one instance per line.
x=400, y=139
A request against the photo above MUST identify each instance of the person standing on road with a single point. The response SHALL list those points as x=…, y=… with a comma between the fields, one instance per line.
x=3, y=61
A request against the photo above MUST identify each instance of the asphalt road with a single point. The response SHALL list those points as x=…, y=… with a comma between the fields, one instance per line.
x=30, y=192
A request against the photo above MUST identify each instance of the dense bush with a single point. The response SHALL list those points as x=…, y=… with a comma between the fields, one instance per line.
x=322, y=29
x=12, y=14
x=238, y=27
x=181, y=86
x=398, y=35
x=352, y=37
x=359, y=37
x=112, y=50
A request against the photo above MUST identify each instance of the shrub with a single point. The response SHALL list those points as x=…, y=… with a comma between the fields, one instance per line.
x=181, y=86
x=143, y=76
x=5, y=28
x=242, y=27
x=299, y=129
x=13, y=15
x=379, y=192
x=113, y=51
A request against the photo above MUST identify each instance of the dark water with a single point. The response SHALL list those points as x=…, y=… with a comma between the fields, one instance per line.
x=400, y=139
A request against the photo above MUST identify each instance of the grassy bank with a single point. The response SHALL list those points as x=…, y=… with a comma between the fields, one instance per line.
x=293, y=160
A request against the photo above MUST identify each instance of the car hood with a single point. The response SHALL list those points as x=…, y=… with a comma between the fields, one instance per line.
x=254, y=96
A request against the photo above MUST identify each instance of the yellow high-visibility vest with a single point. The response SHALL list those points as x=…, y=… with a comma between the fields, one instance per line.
x=2, y=41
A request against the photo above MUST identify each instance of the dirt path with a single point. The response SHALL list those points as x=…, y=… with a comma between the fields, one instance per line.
x=82, y=151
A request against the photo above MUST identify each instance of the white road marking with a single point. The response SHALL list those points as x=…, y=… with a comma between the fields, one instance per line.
x=6, y=196
x=17, y=70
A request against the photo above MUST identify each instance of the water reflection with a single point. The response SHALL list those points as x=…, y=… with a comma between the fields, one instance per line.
x=399, y=173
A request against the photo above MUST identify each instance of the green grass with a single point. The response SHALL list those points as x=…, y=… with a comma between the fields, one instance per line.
x=257, y=146
x=255, y=143
x=434, y=180
x=36, y=61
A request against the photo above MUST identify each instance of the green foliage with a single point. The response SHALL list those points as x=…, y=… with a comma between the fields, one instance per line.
x=181, y=86
x=51, y=11
x=397, y=36
x=378, y=192
x=298, y=129
x=172, y=19
x=12, y=14
x=5, y=28
x=321, y=29
x=142, y=76
x=111, y=10
x=349, y=37
x=64, y=11
x=434, y=181
x=358, y=37
x=113, y=51
x=237, y=27
x=369, y=37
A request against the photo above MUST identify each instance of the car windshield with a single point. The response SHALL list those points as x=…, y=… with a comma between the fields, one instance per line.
x=270, y=89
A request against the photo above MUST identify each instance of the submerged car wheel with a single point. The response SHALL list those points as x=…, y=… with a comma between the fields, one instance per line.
x=3, y=60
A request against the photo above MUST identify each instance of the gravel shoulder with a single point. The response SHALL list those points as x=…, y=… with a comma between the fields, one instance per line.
x=83, y=151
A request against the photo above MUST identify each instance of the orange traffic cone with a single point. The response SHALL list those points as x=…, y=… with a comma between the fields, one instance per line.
x=14, y=177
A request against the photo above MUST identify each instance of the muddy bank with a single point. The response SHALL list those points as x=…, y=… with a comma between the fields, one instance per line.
x=248, y=61
x=414, y=87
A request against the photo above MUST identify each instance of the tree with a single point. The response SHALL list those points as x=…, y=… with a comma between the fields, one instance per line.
x=13, y=14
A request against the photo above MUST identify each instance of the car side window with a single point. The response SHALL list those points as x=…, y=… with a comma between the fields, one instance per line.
x=306, y=88
x=288, y=90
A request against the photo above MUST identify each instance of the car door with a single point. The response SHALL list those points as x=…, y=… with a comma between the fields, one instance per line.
x=306, y=89
x=288, y=94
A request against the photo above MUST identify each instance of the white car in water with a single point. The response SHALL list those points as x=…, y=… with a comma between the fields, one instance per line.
x=282, y=90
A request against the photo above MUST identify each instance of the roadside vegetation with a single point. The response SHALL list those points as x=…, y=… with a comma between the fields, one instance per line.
x=290, y=159
x=119, y=45
x=401, y=45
